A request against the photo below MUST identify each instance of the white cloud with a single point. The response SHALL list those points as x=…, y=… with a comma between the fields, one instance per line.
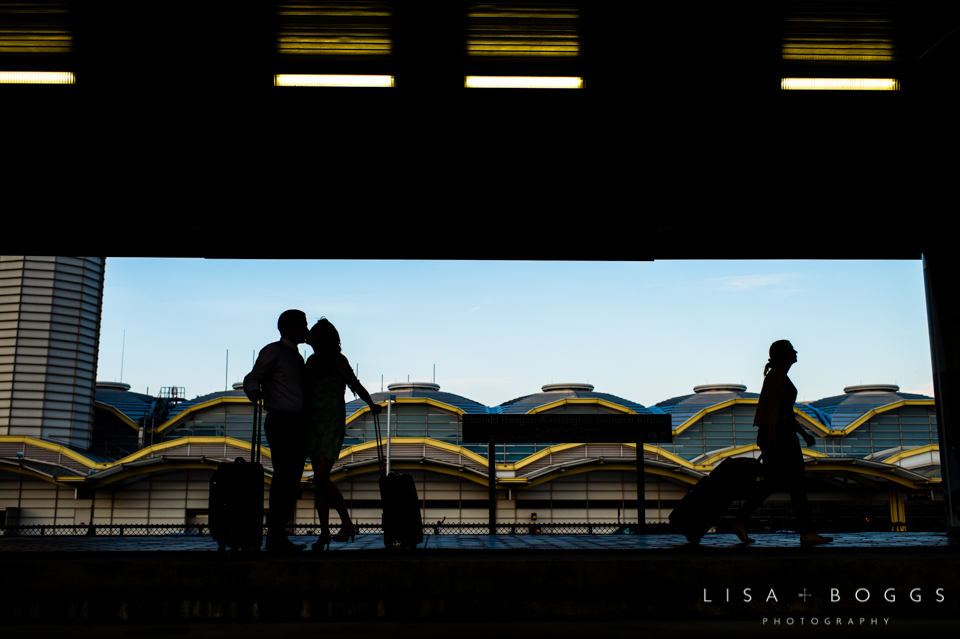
x=750, y=282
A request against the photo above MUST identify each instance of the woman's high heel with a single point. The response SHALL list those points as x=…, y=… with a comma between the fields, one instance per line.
x=323, y=541
x=741, y=533
x=346, y=534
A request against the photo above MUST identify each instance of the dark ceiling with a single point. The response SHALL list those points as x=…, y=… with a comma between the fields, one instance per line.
x=681, y=146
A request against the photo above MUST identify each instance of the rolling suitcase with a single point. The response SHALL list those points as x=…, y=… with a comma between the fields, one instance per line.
x=236, y=497
x=703, y=505
x=402, y=524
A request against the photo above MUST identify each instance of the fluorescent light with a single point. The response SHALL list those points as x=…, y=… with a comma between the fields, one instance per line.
x=842, y=58
x=287, y=80
x=36, y=77
x=839, y=84
x=522, y=82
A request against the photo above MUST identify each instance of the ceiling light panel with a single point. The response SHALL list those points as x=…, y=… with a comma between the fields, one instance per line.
x=852, y=31
x=35, y=29
x=523, y=29
x=344, y=28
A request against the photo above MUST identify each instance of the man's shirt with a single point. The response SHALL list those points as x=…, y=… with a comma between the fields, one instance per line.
x=279, y=373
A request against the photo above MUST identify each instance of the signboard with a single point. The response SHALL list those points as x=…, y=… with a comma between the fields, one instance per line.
x=558, y=428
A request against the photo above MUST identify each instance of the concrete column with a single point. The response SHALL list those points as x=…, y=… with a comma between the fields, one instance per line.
x=941, y=274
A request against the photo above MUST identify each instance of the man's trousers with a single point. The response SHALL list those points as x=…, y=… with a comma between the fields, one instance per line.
x=287, y=437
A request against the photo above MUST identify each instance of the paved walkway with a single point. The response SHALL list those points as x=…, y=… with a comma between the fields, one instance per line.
x=181, y=542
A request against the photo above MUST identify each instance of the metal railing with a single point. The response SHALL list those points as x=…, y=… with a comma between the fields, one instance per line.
x=200, y=530
x=723, y=526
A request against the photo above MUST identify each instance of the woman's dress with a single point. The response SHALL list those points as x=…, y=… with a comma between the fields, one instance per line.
x=775, y=407
x=324, y=386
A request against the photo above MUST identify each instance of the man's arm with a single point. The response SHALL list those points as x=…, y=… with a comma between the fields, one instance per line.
x=261, y=369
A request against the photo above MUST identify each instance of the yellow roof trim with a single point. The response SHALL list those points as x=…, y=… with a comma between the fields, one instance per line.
x=556, y=448
x=32, y=473
x=243, y=400
x=197, y=464
x=409, y=400
x=703, y=411
x=183, y=441
x=582, y=468
x=529, y=459
x=428, y=441
x=193, y=439
x=745, y=400
x=710, y=462
x=116, y=412
x=862, y=470
x=198, y=407
x=628, y=466
x=663, y=453
x=581, y=400
x=339, y=473
x=873, y=412
x=910, y=453
x=57, y=448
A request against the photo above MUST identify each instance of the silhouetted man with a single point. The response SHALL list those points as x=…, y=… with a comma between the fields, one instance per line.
x=277, y=379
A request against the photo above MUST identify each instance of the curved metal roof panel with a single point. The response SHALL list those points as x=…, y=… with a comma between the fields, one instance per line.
x=133, y=405
x=686, y=406
x=182, y=406
x=843, y=410
x=527, y=403
x=466, y=405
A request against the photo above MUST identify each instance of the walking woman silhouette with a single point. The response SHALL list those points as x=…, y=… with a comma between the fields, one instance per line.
x=777, y=436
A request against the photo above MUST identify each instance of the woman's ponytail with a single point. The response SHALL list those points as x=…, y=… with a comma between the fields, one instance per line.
x=778, y=352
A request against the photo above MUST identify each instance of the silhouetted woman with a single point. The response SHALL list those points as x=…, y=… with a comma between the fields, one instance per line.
x=325, y=377
x=778, y=435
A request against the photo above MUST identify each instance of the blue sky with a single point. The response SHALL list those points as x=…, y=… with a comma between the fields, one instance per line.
x=497, y=330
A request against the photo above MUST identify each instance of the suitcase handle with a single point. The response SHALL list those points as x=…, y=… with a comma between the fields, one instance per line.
x=380, y=460
x=257, y=431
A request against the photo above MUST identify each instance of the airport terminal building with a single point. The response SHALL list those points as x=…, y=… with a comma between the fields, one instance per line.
x=75, y=451
x=874, y=466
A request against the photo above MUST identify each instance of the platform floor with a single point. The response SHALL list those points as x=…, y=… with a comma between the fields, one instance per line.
x=445, y=542
x=473, y=586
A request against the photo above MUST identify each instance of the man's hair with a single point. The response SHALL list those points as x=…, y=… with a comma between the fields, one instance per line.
x=290, y=320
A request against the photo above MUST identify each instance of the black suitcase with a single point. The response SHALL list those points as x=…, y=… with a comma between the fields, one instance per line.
x=236, y=497
x=401, y=521
x=703, y=505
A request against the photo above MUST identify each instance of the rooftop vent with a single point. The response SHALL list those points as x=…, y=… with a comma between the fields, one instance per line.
x=116, y=386
x=238, y=386
x=401, y=386
x=719, y=388
x=872, y=388
x=567, y=386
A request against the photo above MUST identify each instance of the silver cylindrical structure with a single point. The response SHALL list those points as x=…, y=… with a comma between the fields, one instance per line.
x=49, y=335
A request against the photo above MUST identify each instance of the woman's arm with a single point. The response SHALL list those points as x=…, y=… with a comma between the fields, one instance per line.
x=807, y=437
x=365, y=396
x=357, y=387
